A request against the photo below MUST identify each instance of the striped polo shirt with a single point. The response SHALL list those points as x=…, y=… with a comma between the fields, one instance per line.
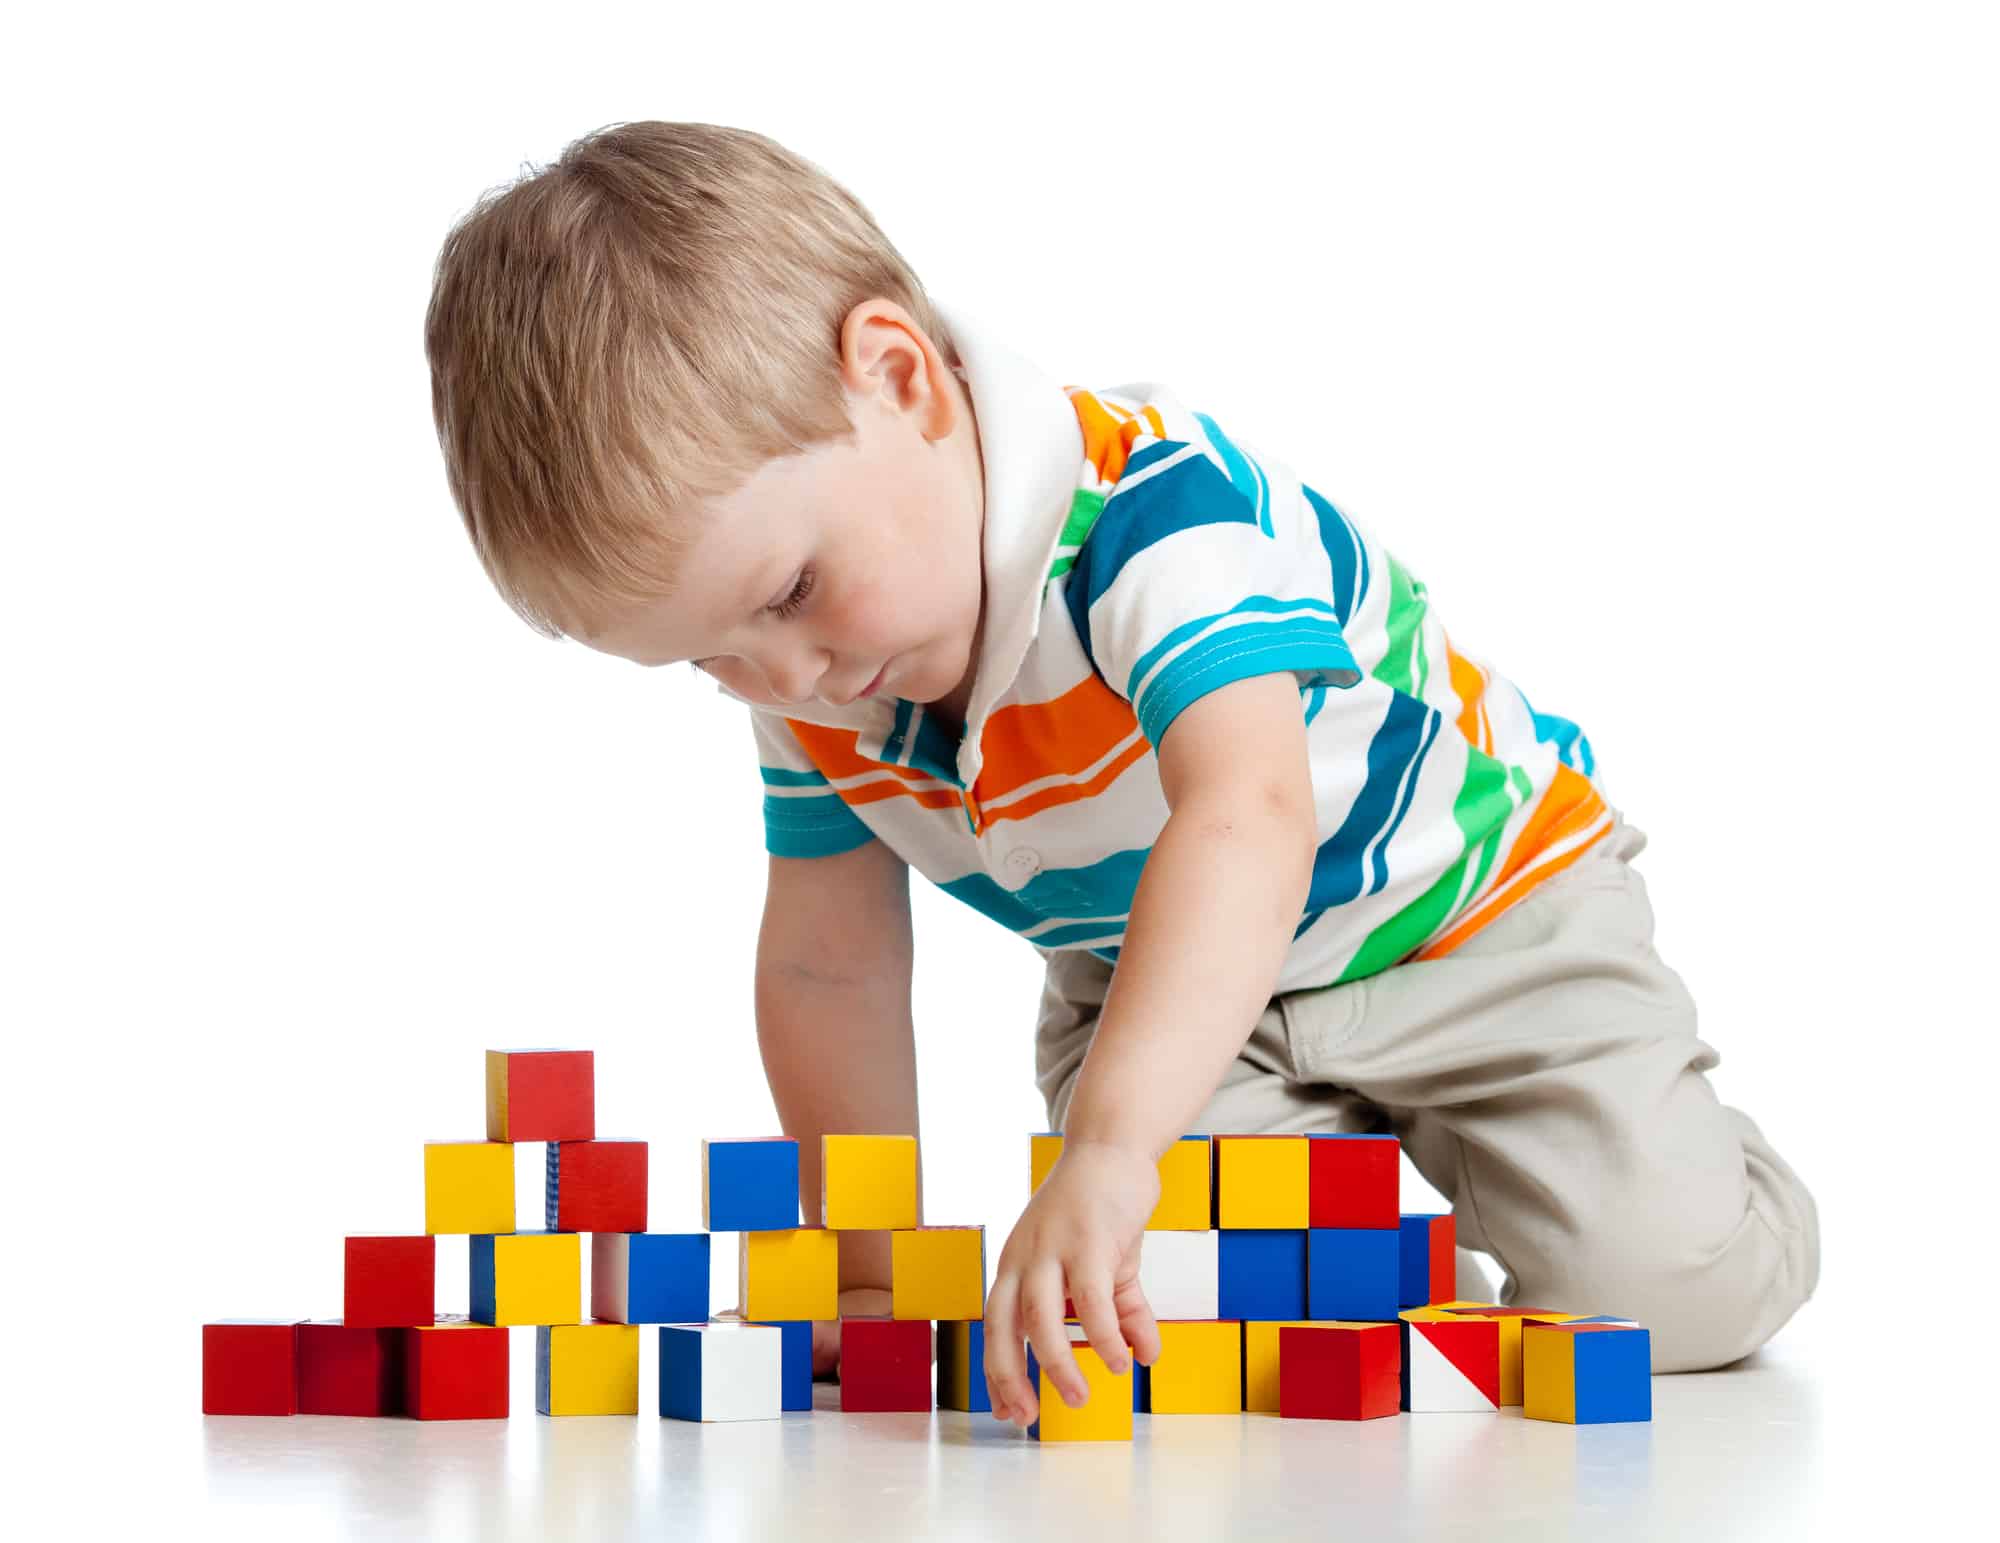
x=1138, y=555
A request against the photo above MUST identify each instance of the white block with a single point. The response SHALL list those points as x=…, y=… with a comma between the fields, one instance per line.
x=722, y=1371
x=1181, y=1273
x=1437, y=1386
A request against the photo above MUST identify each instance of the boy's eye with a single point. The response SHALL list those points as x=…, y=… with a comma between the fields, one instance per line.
x=790, y=604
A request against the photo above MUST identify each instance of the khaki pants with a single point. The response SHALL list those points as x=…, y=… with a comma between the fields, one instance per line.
x=1546, y=1078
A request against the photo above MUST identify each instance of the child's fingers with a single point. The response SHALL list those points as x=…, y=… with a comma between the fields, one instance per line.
x=1136, y=1322
x=1006, y=1367
x=1041, y=1311
x=1090, y=1292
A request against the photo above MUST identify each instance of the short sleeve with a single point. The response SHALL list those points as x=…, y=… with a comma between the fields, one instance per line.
x=803, y=815
x=1185, y=583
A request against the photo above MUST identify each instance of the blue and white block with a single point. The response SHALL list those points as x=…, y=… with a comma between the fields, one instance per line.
x=649, y=1277
x=721, y=1371
x=798, y=1358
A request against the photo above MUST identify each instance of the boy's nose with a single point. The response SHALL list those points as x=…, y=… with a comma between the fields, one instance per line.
x=792, y=680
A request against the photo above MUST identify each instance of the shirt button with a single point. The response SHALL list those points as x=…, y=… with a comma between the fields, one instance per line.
x=1025, y=861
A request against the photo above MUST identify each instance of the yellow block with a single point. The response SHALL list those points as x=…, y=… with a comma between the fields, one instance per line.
x=587, y=1368
x=1263, y=1181
x=1105, y=1416
x=537, y=1278
x=468, y=1186
x=1184, y=1176
x=1200, y=1369
x=868, y=1183
x=938, y=1272
x=1510, y=1340
x=1260, y=1362
x=1549, y=1365
x=789, y=1275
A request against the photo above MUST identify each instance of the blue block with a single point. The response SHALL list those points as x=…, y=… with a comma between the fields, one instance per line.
x=751, y=1186
x=1352, y=1272
x=1263, y=1273
x=798, y=1360
x=680, y=1373
x=669, y=1278
x=1413, y=1289
x=1142, y=1388
x=1614, y=1376
x=482, y=1277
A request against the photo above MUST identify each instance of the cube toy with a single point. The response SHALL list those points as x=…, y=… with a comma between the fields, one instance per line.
x=1429, y=1251
x=1353, y=1180
x=527, y=1278
x=868, y=1183
x=750, y=1186
x=1339, y=1371
x=1106, y=1414
x=1450, y=1364
x=961, y=1367
x=587, y=1368
x=455, y=1370
x=1587, y=1373
x=1262, y=1182
x=1181, y=1273
x=1199, y=1370
x=540, y=1095
x=1352, y=1273
x=721, y=1371
x=1263, y=1273
x=885, y=1365
x=389, y=1282
x=793, y=1274
x=594, y=1186
x=1186, y=1197
x=1263, y=1362
x=468, y=1186
x=249, y=1366
x=348, y=1369
x=1510, y=1320
x=649, y=1277
x=938, y=1272
x=797, y=1362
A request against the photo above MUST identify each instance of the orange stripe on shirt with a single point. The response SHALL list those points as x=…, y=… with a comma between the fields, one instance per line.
x=1104, y=442
x=1468, y=680
x=1062, y=737
x=833, y=752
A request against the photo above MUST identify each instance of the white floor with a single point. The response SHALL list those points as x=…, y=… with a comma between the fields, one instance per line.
x=1739, y=1453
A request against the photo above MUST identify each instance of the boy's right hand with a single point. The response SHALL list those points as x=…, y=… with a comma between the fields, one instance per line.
x=855, y=1302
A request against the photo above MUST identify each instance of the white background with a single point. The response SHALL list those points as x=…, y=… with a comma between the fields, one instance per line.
x=1658, y=341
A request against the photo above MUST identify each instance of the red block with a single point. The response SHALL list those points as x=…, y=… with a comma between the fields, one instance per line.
x=349, y=1369
x=885, y=1365
x=1338, y=1373
x=249, y=1366
x=540, y=1095
x=454, y=1370
x=391, y=1282
x=1354, y=1183
x=596, y=1186
x=1444, y=1259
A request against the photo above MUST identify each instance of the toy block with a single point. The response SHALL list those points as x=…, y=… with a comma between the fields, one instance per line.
x=455, y=1370
x=797, y=1361
x=750, y=1186
x=1354, y=1180
x=1581, y=1373
x=594, y=1186
x=1450, y=1363
x=1263, y=1273
x=1181, y=1273
x=586, y=1368
x=1199, y=1370
x=938, y=1272
x=721, y=1371
x=527, y=1278
x=1340, y=1371
x=1263, y=1362
x=249, y=1366
x=389, y=1282
x=1429, y=1255
x=1511, y=1320
x=1142, y=1389
x=961, y=1367
x=468, y=1186
x=649, y=1277
x=1263, y=1182
x=1352, y=1273
x=868, y=1183
x=349, y=1369
x=885, y=1365
x=540, y=1095
x=1185, y=1203
x=1106, y=1414
x=793, y=1274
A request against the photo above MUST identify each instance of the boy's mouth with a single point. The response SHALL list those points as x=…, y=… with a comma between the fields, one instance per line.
x=869, y=689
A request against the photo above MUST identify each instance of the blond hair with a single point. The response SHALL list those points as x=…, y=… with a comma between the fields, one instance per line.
x=635, y=329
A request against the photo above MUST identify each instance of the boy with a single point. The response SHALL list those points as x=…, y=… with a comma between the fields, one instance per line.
x=1095, y=666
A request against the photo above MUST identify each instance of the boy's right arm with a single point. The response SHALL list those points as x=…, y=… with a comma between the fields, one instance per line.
x=834, y=1025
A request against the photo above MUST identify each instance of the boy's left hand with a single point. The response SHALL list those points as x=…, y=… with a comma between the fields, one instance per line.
x=1080, y=1238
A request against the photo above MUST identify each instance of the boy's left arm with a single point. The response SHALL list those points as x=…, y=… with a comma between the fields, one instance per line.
x=1213, y=916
